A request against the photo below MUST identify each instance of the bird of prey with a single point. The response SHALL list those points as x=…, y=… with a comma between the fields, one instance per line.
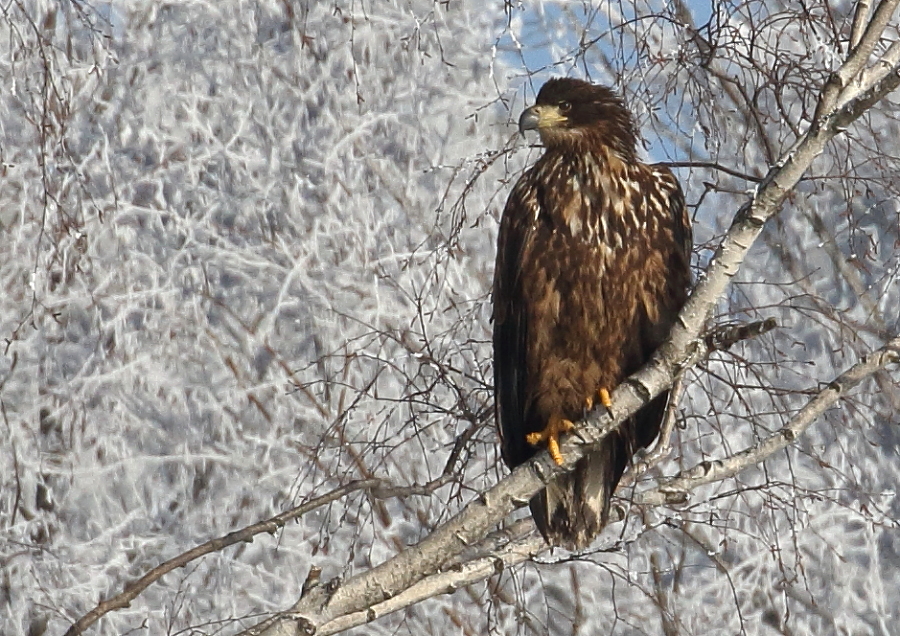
x=593, y=266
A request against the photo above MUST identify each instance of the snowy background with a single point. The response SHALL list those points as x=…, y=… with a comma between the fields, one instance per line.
x=246, y=251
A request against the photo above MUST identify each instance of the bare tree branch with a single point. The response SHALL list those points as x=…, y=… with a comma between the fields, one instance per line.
x=376, y=487
x=860, y=17
x=132, y=590
x=724, y=337
x=712, y=165
x=676, y=488
x=661, y=446
x=839, y=89
x=720, y=338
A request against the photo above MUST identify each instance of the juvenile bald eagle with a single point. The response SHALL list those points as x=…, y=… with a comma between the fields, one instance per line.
x=592, y=269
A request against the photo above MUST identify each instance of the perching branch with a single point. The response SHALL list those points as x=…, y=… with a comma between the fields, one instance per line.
x=718, y=339
x=522, y=545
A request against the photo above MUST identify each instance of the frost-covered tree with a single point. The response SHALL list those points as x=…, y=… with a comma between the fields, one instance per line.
x=246, y=258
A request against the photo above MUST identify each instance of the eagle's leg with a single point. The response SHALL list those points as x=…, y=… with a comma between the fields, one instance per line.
x=555, y=427
x=605, y=400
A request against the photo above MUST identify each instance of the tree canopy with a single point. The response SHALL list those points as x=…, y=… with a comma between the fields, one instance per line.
x=246, y=264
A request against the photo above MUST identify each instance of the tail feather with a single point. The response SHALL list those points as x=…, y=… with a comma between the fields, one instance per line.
x=574, y=507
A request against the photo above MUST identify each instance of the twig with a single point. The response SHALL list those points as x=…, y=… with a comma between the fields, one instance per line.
x=725, y=336
x=675, y=489
x=662, y=447
x=712, y=165
x=377, y=487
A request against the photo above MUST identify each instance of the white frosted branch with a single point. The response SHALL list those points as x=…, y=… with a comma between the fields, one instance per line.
x=846, y=84
x=676, y=488
x=859, y=22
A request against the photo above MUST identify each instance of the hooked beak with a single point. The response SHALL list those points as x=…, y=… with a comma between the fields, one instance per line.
x=538, y=117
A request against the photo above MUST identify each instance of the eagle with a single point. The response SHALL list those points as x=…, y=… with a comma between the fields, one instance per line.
x=593, y=266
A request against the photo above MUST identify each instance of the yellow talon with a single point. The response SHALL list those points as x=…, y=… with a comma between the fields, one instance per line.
x=605, y=400
x=553, y=449
x=555, y=427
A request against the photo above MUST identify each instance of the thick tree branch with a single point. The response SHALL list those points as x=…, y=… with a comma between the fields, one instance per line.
x=839, y=88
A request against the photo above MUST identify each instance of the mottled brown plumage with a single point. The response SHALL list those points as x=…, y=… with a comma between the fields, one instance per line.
x=592, y=268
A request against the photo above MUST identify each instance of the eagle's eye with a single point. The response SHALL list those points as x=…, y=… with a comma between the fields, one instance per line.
x=565, y=107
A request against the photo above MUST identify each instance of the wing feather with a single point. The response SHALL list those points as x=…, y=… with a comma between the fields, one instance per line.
x=511, y=322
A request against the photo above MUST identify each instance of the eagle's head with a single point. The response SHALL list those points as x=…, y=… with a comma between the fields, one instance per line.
x=574, y=115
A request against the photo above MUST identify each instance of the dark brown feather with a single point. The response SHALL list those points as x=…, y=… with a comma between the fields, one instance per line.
x=592, y=269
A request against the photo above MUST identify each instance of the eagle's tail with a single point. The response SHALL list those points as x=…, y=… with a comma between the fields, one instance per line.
x=574, y=507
